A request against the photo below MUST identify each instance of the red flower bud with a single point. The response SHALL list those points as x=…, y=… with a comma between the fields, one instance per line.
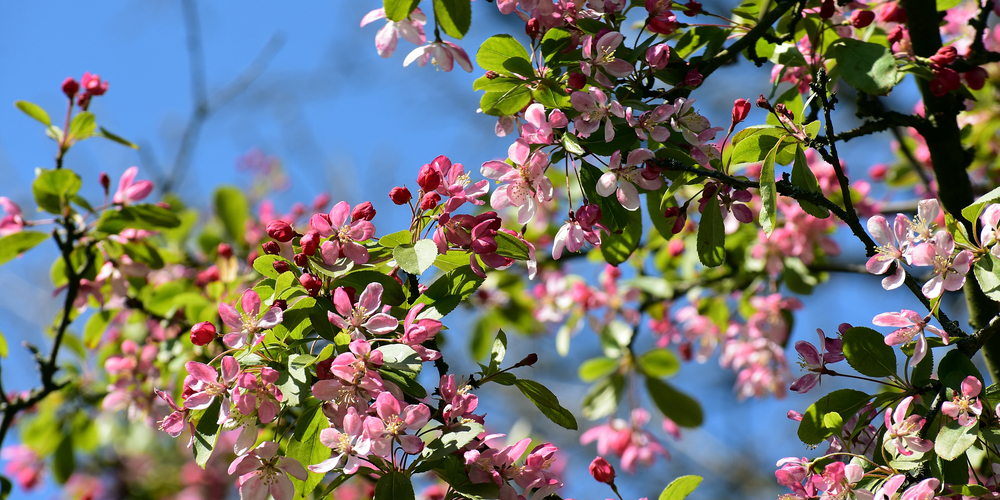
x=862, y=18
x=877, y=172
x=364, y=211
x=685, y=351
x=93, y=85
x=428, y=178
x=892, y=13
x=692, y=8
x=531, y=28
x=400, y=195
x=225, y=250
x=577, y=80
x=827, y=9
x=280, y=230
x=602, y=471
x=252, y=256
x=271, y=248
x=945, y=80
x=202, y=333
x=429, y=201
x=281, y=266
x=675, y=247
x=70, y=87
x=280, y=304
x=741, y=108
x=311, y=283
x=763, y=103
x=945, y=56
x=105, y=182
x=895, y=34
x=323, y=371
x=693, y=78
x=300, y=259
x=310, y=242
x=975, y=78
x=658, y=56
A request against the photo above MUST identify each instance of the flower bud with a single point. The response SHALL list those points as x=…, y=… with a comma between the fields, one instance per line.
x=280, y=230
x=602, y=471
x=862, y=18
x=827, y=9
x=762, y=103
x=92, y=84
x=364, y=211
x=311, y=283
x=70, y=87
x=323, y=371
x=531, y=28
x=577, y=80
x=895, y=34
x=675, y=247
x=105, y=182
x=685, y=351
x=400, y=195
x=300, y=259
x=271, y=247
x=203, y=333
x=252, y=256
x=528, y=360
x=741, y=108
x=945, y=56
x=783, y=110
x=310, y=242
x=877, y=172
x=975, y=78
x=429, y=201
x=225, y=250
x=892, y=12
x=692, y=8
x=693, y=78
x=281, y=266
x=945, y=80
x=428, y=178
x=658, y=55
x=280, y=304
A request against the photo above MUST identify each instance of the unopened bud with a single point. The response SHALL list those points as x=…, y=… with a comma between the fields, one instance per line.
x=577, y=80
x=492, y=75
x=602, y=471
x=693, y=78
x=945, y=56
x=741, y=108
x=429, y=201
x=364, y=211
x=400, y=195
x=528, y=360
x=281, y=266
x=310, y=242
x=675, y=247
x=428, y=178
x=692, y=8
x=762, y=103
x=877, y=172
x=827, y=9
x=271, y=247
x=105, y=182
x=862, y=18
x=975, y=78
x=225, y=250
x=895, y=35
x=203, y=333
x=658, y=56
x=280, y=304
x=280, y=230
x=783, y=110
x=70, y=87
x=311, y=283
x=300, y=259
x=252, y=256
x=531, y=28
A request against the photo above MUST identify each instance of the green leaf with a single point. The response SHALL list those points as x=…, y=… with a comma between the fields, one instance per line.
x=987, y=270
x=233, y=209
x=953, y=439
x=82, y=126
x=866, y=66
x=867, y=353
x=63, y=462
x=547, y=402
x=451, y=441
x=943, y=5
x=955, y=367
x=407, y=384
x=505, y=103
x=617, y=248
x=306, y=447
x=4, y=350
x=845, y=402
x=401, y=358
x=35, y=111
x=973, y=211
x=103, y=132
x=53, y=188
x=595, y=368
x=395, y=485
x=712, y=234
x=393, y=240
x=448, y=291
x=454, y=16
x=602, y=400
x=803, y=178
x=206, y=433
x=416, y=258
x=397, y=10
x=511, y=246
x=679, y=407
x=96, y=326
x=768, y=191
x=554, y=42
x=17, y=243
x=143, y=216
x=572, y=145
x=497, y=50
x=659, y=363
x=5, y=487
x=680, y=488
x=497, y=353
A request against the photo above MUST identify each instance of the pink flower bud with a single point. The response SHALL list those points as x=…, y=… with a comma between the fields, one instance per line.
x=763, y=103
x=658, y=55
x=364, y=211
x=252, y=256
x=975, y=78
x=202, y=333
x=300, y=259
x=311, y=283
x=675, y=247
x=428, y=178
x=692, y=8
x=400, y=195
x=892, y=13
x=271, y=248
x=877, y=172
x=827, y=9
x=532, y=27
x=741, y=108
x=105, y=182
x=280, y=230
x=945, y=80
x=658, y=7
x=93, y=85
x=281, y=266
x=895, y=34
x=310, y=242
x=280, y=304
x=693, y=78
x=577, y=80
x=945, y=56
x=70, y=87
x=602, y=471
x=429, y=201
x=225, y=250
x=862, y=18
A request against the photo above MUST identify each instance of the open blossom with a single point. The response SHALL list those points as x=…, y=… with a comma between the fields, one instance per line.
x=904, y=432
x=527, y=183
x=129, y=191
x=949, y=273
x=651, y=122
x=456, y=184
x=538, y=129
x=620, y=179
x=392, y=423
x=964, y=406
x=249, y=324
x=889, y=251
x=204, y=384
x=582, y=227
x=350, y=446
x=258, y=392
x=988, y=236
x=13, y=222
x=627, y=440
x=411, y=28
x=356, y=319
x=347, y=234
x=814, y=360
x=911, y=325
x=594, y=108
x=443, y=54
x=600, y=53
x=262, y=471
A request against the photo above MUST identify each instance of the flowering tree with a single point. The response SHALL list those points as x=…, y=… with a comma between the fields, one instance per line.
x=298, y=354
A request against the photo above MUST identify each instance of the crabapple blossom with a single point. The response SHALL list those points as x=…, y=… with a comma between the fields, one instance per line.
x=650, y=122
x=410, y=28
x=949, y=272
x=351, y=445
x=627, y=440
x=257, y=392
x=904, y=432
x=346, y=234
x=526, y=182
x=620, y=178
x=356, y=319
x=250, y=322
x=594, y=107
x=13, y=222
x=911, y=324
x=539, y=129
x=393, y=421
x=988, y=236
x=889, y=252
x=205, y=384
x=582, y=227
x=814, y=360
x=457, y=185
x=443, y=54
x=263, y=471
x=600, y=53
x=964, y=406
x=129, y=191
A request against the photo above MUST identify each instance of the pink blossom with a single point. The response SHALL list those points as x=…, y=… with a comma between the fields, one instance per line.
x=538, y=129
x=24, y=465
x=392, y=423
x=457, y=185
x=949, y=273
x=13, y=222
x=889, y=251
x=346, y=234
x=257, y=392
x=526, y=183
x=988, y=236
x=911, y=325
x=350, y=447
x=129, y=191
x=965, y=407
x=262, y=471
x=924, y=490
x=536, y=474
x=650, y=122
x=904, y=432
x=814, y=360
x=364, y=316
x=351, y=380
x=411, y=28
x=620, y=178
x=600, y=53
x=627, y=440
x=582, y=227
x=443, y=54
x=248, y=322
x=594, y=108
x=205, y=384
x=175, y=421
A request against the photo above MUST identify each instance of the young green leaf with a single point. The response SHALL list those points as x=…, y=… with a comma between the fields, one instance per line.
x=35, y=111
x=454, y=16
x=17, y=243
x=867, y=353
x=712, y=234
x=547, y=402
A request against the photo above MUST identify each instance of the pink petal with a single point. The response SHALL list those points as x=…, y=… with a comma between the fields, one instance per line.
x=250, y=303
x=230, y=316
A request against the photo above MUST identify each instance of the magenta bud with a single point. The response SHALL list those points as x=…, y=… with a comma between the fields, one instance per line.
x=602, y=471
x=310, y=242
x=225, y=250
x=862, y=18
x=300, y=259
x=271, y=247
x=428, y=178
x=202, y=333
x=364, y=211
x=280, y=304
x=429, y=201
x=577, y=80
x=280, y=230
x=311, y=283
x=281, y=266
x=400, y=195
x=105, y=182
x=70, y=87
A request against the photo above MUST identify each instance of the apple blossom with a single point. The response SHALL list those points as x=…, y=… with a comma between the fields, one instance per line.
x=129, y=191
x=410, y=28
x=911, y=325
x=346, y=234
x=964, y=407
x=263, y=471
x=620, y=179
x=364, y=316
x=904, y=432
x=442, y=54
x=595, y=108
x=526, y=182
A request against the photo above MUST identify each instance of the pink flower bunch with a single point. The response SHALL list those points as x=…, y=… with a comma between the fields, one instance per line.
x=250, y=323
x=627, y=440
x=498, y=466
x=345, y=233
